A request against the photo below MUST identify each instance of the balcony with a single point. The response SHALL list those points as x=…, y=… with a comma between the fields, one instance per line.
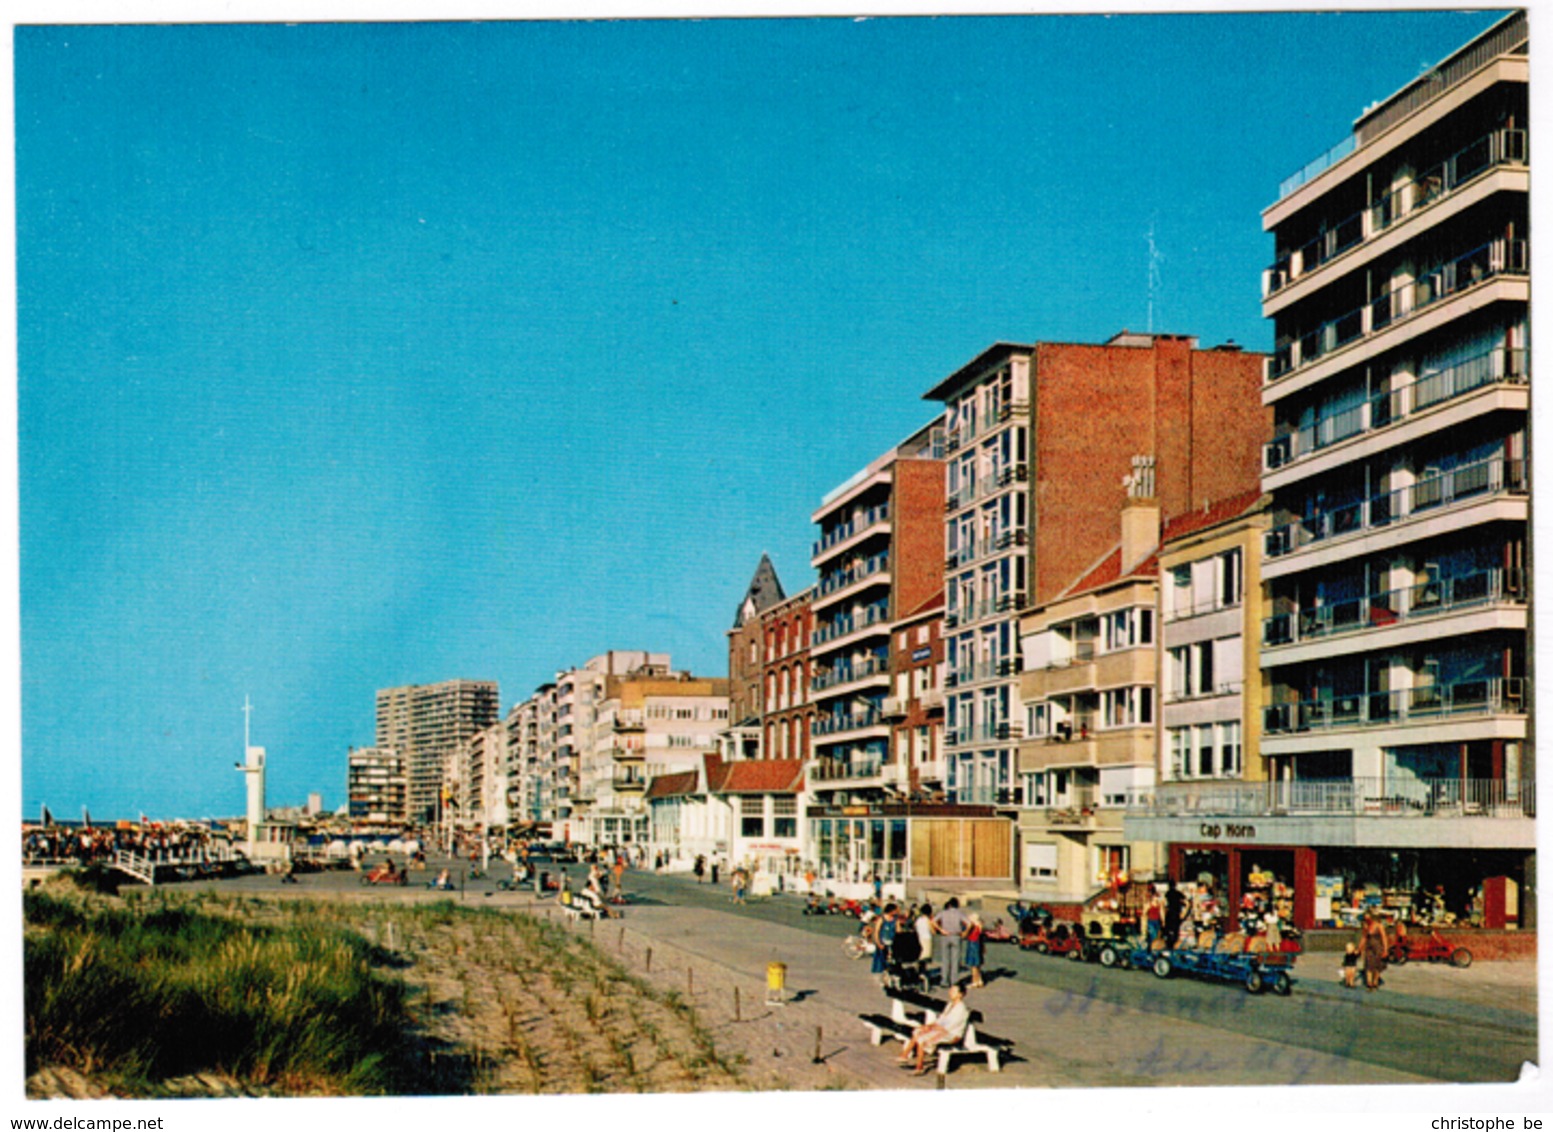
x=850, y=673
x=841, y=770
x=1496, y=476
x=837, y=583
x=1491, y=260
x=1491, y=696
x=632, y=719
x=627, y=783
x=894, y=707
x=859, y=523
x=1495, y=367
x=841, y=724
x=931, y=699
x=1491, y=151
x=847, y=624
x=1399, y=798
x=1393, y=607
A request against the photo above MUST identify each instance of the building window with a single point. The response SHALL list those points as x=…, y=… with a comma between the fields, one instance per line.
x=752, y=810
x=1040, y=861
x=1230, y=578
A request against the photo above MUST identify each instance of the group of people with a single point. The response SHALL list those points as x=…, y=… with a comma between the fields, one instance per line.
x=910, y=936
x=86, y=844
x=1368, y=953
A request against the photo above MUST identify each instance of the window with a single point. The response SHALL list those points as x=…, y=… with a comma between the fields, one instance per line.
x=1229, y=578
x=1191, y=670
x=1040, y=861
x=752, y=810
x=1229, y=749
x=1205, y=750
x=1126, y=707
x=924, y=746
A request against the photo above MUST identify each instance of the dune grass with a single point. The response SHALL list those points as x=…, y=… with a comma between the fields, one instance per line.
x=142, y=993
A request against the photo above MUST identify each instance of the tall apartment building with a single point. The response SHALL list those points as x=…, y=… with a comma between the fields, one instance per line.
x=1039, y=440
x=475, y=781
x=376, y=789
x=424, y=723
x=915, y=706
x=879, y=555
x=1395, y=648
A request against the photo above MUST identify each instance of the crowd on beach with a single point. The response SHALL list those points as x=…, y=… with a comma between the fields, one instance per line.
x=89, y=844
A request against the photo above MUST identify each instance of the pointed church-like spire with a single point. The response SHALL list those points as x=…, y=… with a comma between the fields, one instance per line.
x=764, y=592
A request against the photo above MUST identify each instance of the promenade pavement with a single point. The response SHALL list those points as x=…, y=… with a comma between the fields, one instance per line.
x=1073, y=1024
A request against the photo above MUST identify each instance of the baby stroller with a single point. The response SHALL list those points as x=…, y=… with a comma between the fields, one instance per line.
x=906, y=967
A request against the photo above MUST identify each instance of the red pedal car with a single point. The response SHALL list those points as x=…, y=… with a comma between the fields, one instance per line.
x=1433, y=948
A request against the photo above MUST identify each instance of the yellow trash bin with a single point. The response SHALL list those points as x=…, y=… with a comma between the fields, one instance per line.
x=776, y=982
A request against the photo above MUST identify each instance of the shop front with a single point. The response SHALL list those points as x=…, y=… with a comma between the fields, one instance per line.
x=1333, y=886
x=898, y=842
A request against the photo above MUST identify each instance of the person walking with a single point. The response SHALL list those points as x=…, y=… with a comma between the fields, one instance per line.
x=700, y=868
x=715, y=863
x=1373, y=945
x=620, y=882
x=950, y=926
x=923, y=925
x=1175, y=904
x=974, y=939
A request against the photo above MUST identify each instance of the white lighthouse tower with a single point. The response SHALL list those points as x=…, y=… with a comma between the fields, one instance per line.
x=253, y=768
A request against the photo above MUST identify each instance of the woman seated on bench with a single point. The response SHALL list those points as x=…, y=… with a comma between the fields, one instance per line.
x=948, y=1027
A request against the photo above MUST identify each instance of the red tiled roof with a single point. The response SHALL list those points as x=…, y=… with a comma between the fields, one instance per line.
x=761, y=776
x=672, y=785
x=1109, y=569
x=1212, y=515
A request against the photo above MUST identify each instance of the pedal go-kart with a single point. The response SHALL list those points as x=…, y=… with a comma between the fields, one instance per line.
x=384, y=874
x=1433, y=948
x=1226, y=961
x=1056, y=939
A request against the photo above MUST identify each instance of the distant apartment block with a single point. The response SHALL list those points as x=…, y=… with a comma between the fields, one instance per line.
x=787, y=724
x=425, y=723
x=376, y=789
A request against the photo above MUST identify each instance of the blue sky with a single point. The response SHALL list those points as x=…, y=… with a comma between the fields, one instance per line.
x=361, y=355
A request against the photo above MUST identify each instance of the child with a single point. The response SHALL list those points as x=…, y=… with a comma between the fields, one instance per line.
x=1350, y=964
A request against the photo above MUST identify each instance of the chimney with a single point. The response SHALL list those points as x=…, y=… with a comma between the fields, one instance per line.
x=1140, y=514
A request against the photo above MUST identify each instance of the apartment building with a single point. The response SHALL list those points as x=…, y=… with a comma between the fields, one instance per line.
x=425, y=723
x=657, y=723
x=1394, y=644
x=1090, y=690
x=376, y=789
x=879, y=554
x=1039, y=441
x=787, y=723
x=915, y=706
x=1210, y=629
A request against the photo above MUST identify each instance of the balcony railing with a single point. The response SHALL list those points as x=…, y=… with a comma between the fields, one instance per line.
x=1490, y=260
x=1491, y=696
x=841, y=579
x=859, y=522
x=846, y=673
x=856, y=721
x=1492, y=150
x=1396, y=797
x=1392, y=607
x=851, y=623
x=832, y=770
x=1494, y=476
x=1495, y=367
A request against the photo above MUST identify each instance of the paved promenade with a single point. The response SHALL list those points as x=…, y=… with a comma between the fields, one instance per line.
x=1073, y=1024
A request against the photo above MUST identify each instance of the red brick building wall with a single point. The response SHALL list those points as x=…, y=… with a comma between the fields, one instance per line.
x=746, y=666
x=786, y=632
x=1197, y=412
x=917, y=568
